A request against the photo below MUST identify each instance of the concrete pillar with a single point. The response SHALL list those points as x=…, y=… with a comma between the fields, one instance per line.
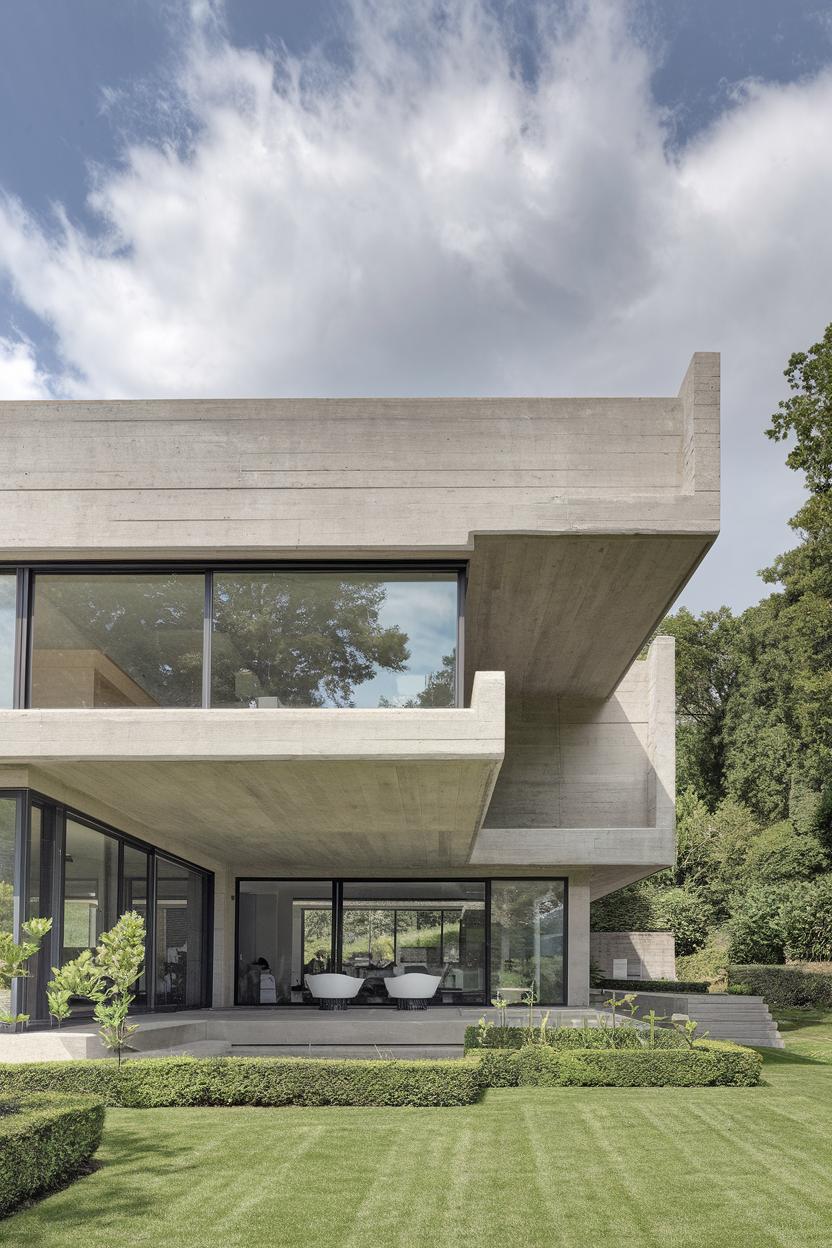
x=578, y=940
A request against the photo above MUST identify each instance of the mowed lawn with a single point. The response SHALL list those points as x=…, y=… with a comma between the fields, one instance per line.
x=710, y=1168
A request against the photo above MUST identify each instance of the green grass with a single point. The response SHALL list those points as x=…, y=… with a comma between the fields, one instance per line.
x=807, y=1032
x=530, y=1167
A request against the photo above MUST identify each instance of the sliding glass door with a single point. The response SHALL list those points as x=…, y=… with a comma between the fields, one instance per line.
x=284, y=932
x=436, y=927
x=476, y=936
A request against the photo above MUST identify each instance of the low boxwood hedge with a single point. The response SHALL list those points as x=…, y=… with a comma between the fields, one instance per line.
x=623, y=1036
x=710, y=1063
x=152, y=1083
x=45, y=1138
x=784, y=985
x=654, y=985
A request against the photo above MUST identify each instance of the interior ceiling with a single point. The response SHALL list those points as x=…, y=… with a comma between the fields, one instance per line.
x=568, y=614
x=332, y=815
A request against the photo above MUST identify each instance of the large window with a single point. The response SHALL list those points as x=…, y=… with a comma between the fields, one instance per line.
x=90, y=887
x=8, y=613
x=117, y=639
x=238, y=638
x=8, y=823
x=181, y=961
x=334, y=639
x=84, y=876
x=527, y=948
x=436, y=927
x=284, y=931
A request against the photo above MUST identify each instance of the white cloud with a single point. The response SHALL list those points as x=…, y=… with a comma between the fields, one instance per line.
x=432, y=221
x=20, y=377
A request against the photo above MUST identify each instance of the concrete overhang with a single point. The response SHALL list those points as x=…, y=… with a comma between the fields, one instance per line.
x=323, y=789
x=580, y=519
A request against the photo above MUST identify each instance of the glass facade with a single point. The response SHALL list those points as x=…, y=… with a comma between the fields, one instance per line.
x=117, y=639
x=436, y=927
x=8, y=827
x=284, y=931
x=527, y=939
x=90, y=888
x=8, y=622
x=478, y=936
x=85, y=876
x=181, y=946
x=359, y=637
x=305, y=639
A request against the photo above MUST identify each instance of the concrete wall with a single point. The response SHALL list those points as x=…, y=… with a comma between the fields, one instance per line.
x=650, y=955
x=281, y=475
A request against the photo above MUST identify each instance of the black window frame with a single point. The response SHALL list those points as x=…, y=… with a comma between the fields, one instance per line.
x=338, y=883
x=27, y=578
x=55, y=814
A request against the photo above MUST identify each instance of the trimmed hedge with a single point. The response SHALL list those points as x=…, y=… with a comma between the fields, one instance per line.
x=44, y=1139
x=709, y=1064
x=654, y=985
x=784, y=985
x=624, y=1036
x=153, y=1083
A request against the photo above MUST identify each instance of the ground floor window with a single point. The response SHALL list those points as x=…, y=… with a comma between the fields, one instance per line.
x=477, y=935
x=57, y=862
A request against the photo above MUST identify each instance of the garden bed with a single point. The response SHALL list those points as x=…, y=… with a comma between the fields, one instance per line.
x=152, y=1083
x=45, y=1138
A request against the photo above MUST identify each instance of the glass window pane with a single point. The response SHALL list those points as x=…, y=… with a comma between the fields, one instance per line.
x=8, y=822
x=115, y=640
x=527, y=938
x=8, y=600
x=38, y=904
x=436, y=926
x=284, y=932
x=180, y=935
x=305, y=639
x=90, y=887
x=134, y=885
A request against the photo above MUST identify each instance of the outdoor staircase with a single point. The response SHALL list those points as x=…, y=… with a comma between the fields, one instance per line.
x=746, y=1020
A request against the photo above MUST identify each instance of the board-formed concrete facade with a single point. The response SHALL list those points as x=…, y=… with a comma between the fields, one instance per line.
x=577, y=523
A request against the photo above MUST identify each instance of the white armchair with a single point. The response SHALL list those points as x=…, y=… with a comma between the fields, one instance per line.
x=333, y=992
x=413, y=990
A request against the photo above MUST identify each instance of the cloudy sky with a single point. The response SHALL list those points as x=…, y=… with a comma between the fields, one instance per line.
x=364, y=197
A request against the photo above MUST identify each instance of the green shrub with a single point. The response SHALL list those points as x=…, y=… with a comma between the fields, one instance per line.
x=153, y=1083
x=683, y=912
x=755, y=926
x=44, y=1139
x=785, y=986
x=710, y=1063
x=497, y=1068
x=807, y=921
x=781, y=853
x=710, y=963
x=623, y=1036
x=655, y=985
x=741, y=990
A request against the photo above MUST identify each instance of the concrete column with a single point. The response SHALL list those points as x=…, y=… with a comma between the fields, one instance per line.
x=578, y=940
x=224, y=968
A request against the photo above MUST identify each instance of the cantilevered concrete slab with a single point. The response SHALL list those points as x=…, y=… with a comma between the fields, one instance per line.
x=276, y=789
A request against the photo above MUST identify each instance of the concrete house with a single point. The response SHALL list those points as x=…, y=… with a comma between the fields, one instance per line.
x=343, y=685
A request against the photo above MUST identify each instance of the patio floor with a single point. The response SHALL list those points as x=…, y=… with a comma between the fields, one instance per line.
x=285, y=1031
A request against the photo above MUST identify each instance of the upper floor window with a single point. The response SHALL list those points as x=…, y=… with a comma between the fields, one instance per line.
x=245, y=638
x=117, y=639
x=8, y=611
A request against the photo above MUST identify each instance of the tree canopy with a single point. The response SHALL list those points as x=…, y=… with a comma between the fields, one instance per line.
x=754, y=733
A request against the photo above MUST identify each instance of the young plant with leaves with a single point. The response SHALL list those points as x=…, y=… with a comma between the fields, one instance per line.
x=106, y=978
x=14, y=957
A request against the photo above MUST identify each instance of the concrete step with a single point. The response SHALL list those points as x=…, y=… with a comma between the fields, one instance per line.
x=197, y=1048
